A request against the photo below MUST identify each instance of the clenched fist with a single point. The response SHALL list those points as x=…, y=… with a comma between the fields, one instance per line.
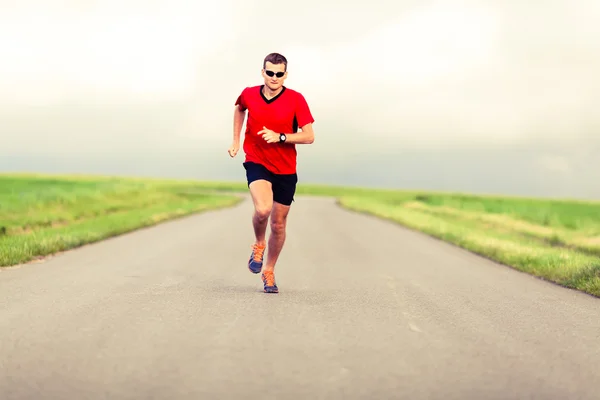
x=268, y=135
x=233, y=149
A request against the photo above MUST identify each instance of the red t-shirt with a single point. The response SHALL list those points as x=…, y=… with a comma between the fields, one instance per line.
x=283, y=114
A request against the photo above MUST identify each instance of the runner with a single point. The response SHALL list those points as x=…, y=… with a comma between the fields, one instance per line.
x=275, y=113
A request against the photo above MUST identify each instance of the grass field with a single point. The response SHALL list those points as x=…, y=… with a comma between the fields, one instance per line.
x=557, y=240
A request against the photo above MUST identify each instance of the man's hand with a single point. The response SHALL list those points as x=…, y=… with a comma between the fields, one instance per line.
x=233, y=149
x=268, y=135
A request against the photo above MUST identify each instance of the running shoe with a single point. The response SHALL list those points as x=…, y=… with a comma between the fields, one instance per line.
x=256, y=258
x=268, y=278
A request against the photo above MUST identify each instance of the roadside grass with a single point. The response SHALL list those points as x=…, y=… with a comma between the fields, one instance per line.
x=43, y=215
x=585, y=239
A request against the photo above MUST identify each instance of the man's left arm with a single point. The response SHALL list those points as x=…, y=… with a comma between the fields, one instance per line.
x=305, y=120
x=306, y=136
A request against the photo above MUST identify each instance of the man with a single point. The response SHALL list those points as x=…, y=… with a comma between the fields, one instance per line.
x=274, y=115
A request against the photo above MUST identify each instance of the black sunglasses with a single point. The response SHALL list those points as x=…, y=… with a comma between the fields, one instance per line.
x=271, y=73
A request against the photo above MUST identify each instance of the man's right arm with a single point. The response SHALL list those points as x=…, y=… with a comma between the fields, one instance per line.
x=239, y=114
x=238, y=121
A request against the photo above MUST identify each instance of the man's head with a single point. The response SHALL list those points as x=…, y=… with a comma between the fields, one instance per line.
x=274, y=70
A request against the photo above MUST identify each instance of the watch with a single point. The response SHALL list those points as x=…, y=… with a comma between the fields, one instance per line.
x=282, y=137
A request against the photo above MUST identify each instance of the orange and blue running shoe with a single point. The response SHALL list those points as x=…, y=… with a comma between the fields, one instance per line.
x=256, y=258
x=268, y=278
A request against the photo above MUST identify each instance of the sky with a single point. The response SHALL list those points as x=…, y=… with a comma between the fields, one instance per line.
x=475, y=96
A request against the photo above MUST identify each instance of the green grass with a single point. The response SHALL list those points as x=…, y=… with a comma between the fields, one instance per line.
x=41, y=215
x=556, y=240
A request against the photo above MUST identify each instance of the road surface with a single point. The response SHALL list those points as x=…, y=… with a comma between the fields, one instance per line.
x=366, y=310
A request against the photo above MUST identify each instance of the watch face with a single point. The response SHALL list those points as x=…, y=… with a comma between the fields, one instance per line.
x=282, y=137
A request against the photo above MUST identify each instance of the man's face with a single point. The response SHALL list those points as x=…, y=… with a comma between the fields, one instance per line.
x=274, y=82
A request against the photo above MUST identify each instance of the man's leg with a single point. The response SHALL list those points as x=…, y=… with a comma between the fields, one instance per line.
x=262, y=197
x=277, y=238
x=261, y=191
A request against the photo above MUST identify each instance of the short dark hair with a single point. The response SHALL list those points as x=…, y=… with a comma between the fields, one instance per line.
x=275, y=58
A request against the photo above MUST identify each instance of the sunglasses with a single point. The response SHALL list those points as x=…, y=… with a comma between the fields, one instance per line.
x=271, y=73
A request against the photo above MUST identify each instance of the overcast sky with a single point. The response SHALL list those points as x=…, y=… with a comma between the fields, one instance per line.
x=478, y=96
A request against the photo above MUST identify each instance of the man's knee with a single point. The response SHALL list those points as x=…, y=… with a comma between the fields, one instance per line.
x=278, y=220
x=263, y=211
x=278, y=226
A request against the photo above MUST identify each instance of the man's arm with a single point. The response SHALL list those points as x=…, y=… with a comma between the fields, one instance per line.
x=307, y=136
x=238, y=120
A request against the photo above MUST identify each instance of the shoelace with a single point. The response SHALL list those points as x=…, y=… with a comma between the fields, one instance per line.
x=269, y=278
x=258, y=252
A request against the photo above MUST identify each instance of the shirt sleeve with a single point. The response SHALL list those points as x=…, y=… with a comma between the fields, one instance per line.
x=303, y=114
x=241, y=100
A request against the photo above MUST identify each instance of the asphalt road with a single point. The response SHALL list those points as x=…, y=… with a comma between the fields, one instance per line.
x=366, y=310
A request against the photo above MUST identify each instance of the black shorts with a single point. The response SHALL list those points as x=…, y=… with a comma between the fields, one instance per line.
x=284, y=185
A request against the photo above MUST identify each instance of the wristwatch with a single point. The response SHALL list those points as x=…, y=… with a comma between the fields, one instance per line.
x=282, y=138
